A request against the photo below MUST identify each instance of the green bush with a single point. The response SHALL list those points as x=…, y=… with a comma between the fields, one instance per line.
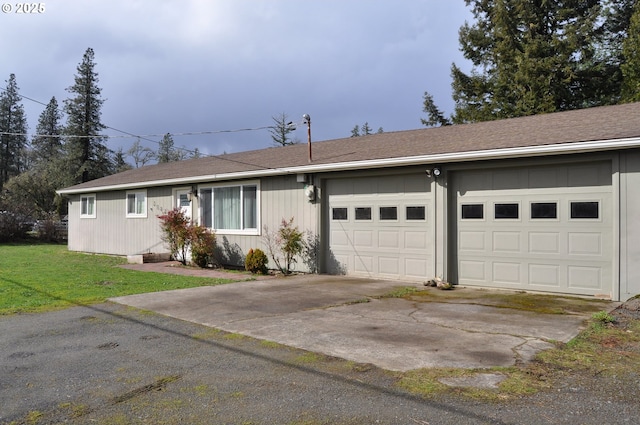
x=256, y=261
x=203, y=245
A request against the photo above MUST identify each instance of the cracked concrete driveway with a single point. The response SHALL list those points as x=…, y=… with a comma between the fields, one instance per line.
x=350, y=318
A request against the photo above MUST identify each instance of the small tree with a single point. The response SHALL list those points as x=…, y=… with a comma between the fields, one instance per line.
x=284, y=245
x=175, y=232
x=182, y=235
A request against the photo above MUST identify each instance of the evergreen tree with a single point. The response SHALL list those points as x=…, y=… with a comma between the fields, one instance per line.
x=631, y=66
x=434, y=116
x=120, y=164
x=365, y=130
x=87, y=155
x=46, y=145
x=281, y=129
x=167, y=151
x=355, y=131
x=532, y=57
x=196, y=154
x=380, y=130
x=13, y=129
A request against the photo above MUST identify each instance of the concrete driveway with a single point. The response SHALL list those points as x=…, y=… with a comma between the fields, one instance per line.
x=350, y=318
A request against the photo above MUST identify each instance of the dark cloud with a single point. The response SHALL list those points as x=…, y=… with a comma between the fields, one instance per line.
x=195, y=66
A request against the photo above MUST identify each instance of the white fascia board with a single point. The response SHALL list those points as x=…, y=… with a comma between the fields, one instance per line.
x=483, y=155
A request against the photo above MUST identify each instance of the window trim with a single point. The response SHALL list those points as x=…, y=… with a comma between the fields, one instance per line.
x=390, y=208
x=587, y=201
x=545, y=219
x=471, y=204
x=506, y=203
x=95, y=204
x=355, y=213
x=135, y=193
x=346, y=209
x=244, y=231
x=422, y=207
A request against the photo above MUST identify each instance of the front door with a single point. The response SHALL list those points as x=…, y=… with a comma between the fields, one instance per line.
x=183, y=202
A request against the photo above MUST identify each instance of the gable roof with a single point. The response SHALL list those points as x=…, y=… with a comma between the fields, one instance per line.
x=584, y=130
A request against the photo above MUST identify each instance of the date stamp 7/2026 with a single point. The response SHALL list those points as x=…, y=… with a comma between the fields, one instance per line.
x=23, y=8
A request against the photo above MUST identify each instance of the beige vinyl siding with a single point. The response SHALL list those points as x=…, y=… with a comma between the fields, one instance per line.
x=111, y=232
x=280, y=198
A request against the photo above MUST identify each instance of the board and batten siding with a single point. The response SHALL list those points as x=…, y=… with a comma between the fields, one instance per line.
x=281, y=198
x=111, y=231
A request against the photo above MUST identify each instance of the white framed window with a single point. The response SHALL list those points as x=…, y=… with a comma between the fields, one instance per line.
x=88, y=206
x=137, y=204
x=231, y=209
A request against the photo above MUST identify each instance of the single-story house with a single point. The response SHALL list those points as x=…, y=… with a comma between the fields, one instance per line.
x=546, y=203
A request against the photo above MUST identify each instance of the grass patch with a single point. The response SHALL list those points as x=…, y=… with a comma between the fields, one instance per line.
x=606, y=349
x=538, y=303
x=402, y=292
x=36, y=278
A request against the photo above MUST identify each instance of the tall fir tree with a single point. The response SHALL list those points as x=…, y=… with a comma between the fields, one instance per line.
x=532, y=57
x=87, y=154
x=167, y=151
x=46, y=144
x=13, y=129
x=631, y=65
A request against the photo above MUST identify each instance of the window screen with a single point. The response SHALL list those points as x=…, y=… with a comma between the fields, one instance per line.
x=416, y=213
x=544, y=210
x=388, y=213
x=506, y=211
x=584, y=210
x=473, y=211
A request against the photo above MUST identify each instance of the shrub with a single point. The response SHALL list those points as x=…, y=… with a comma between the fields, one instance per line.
x=287, y=242
x=181, y=235
x=256, y=261
x=203, y=244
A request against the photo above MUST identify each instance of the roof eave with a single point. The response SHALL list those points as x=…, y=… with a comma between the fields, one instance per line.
x=482, y=155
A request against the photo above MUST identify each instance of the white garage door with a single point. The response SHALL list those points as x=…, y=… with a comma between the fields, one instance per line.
x=542, y=229
x=380, y=227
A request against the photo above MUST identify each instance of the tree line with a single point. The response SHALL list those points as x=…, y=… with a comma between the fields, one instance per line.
x=61, y=154
x=532, y=57
x=527, y=57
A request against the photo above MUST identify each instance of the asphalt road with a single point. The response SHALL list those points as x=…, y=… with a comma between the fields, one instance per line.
x=110, y=364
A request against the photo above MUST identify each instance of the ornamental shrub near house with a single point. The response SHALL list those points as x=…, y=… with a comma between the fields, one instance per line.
x=183, y=236
x=256, y=261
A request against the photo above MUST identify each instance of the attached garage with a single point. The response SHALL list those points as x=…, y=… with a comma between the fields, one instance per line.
x=536, y=228
x=380, y=226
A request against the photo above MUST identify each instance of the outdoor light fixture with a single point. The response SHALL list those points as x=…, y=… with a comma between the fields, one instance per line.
x=433, y=172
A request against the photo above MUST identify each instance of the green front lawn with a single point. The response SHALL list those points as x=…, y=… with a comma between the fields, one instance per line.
x=37, y=278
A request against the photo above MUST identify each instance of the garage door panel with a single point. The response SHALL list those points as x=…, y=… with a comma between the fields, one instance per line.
x=389, y=266
x=506, y=241
x=582, y=277
x=545, y=275
x=544, y=242
x=378, y=244
x=563, y=245
x=585, y=244
x=389, y=239
x=507, y=273
x=472, y=240
x=416, y=267
x=363, y=238
x=418, y=240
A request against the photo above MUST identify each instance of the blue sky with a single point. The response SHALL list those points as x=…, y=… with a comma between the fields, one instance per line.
x=193, y=66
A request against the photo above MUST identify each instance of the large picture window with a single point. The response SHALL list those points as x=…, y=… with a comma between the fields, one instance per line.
x=88, y=206
x=137, y=204
x=230, y=208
